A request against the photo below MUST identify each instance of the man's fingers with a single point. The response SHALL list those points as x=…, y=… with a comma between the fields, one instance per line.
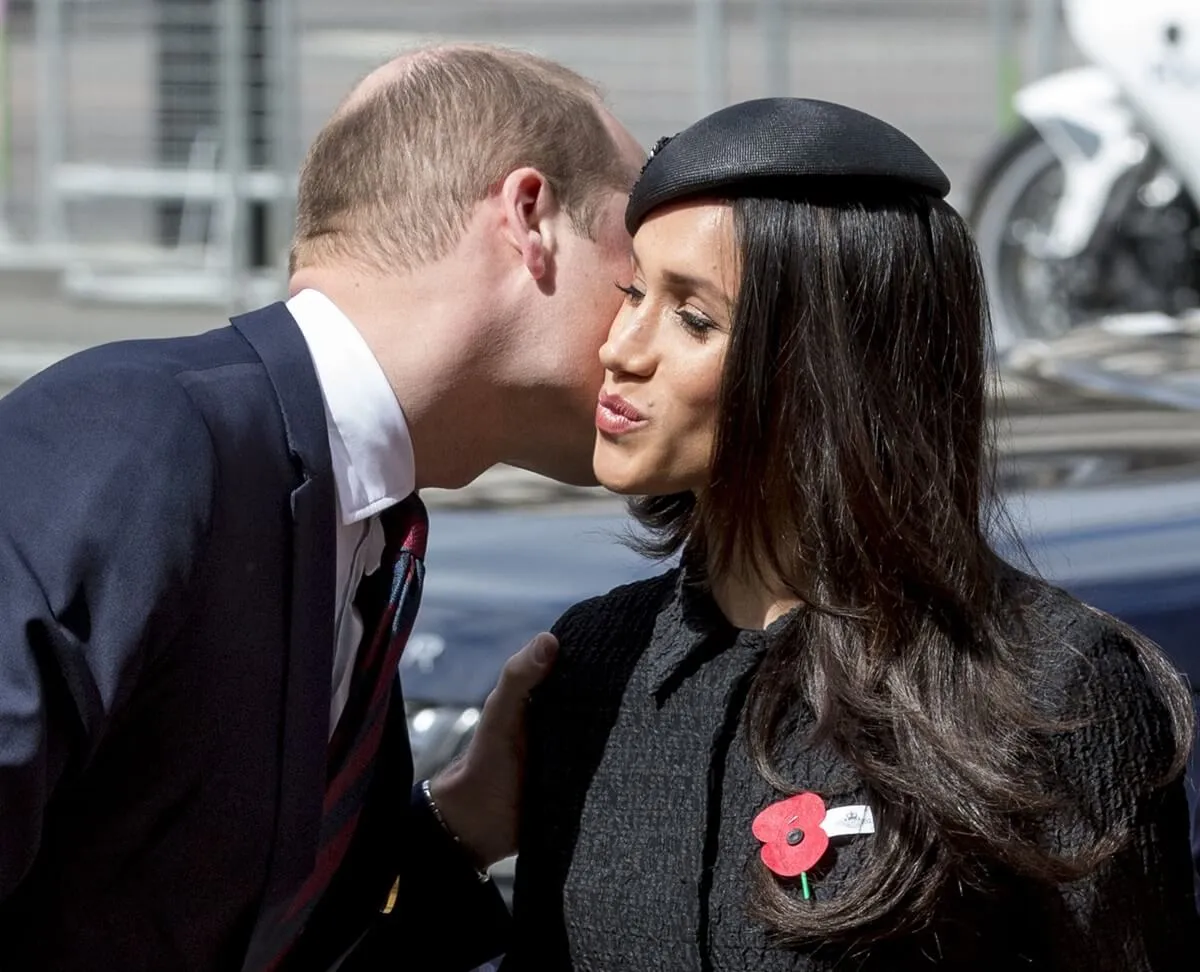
x=479, y=795
x=522, y=673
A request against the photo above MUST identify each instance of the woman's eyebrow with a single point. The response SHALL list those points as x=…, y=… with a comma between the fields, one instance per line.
x=701, y=286
x=678, y=281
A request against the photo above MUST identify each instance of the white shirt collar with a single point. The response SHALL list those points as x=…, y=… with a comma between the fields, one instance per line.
x=369, y=442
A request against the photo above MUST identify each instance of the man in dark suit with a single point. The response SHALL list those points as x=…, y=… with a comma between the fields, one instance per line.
x=211, y=550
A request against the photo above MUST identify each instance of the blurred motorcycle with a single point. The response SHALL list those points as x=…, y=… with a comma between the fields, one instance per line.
x=1090, y=207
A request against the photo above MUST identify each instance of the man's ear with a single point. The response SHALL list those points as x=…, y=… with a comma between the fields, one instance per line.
x=528, y=204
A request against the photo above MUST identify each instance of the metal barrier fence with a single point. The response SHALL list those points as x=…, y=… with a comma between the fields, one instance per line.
x=153, y=143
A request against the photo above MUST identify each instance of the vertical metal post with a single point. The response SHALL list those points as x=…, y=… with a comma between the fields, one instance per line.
x=711, y=56
x=5, y=124
x=1008, y=66
x=51, y=116
x=285, y=113
x=232, y=63
x=259, y=126
x=187, y=109
x=776, y=47
x=1045, y=24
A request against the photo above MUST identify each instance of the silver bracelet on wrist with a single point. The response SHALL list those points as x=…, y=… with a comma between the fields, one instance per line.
x=427, y=794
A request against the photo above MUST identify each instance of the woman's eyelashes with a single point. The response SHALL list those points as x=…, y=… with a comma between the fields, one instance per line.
x=693, y=322
x=696, y=324
x=631, y=292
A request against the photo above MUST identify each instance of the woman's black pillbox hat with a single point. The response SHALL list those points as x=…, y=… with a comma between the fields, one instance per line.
x=774, y=140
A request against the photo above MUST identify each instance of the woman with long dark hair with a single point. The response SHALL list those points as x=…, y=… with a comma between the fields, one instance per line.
x=843, y=733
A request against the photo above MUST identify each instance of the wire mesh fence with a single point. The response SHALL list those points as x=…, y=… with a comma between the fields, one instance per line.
x=166, y=133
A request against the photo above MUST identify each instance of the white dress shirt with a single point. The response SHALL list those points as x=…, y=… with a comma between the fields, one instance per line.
x=372, y=458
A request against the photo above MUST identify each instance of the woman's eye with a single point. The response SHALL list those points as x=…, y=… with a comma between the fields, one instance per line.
x=695, y=323
x=631, y=292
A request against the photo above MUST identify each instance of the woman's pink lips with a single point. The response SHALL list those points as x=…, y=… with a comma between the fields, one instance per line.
x=614, y=415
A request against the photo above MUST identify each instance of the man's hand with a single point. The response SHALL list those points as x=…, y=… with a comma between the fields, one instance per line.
x=480, y=795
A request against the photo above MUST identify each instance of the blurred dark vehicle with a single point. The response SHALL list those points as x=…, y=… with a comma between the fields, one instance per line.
x=1101, y=479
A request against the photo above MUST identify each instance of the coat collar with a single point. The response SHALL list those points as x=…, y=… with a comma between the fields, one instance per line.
x=277, y=340
x=690, y=630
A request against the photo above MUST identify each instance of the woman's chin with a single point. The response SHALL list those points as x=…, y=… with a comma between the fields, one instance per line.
x=620, y=472
x=618, y=477
x=620, y=485
x=628, y=482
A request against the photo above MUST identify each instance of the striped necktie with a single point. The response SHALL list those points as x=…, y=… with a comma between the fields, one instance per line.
x=391, y=595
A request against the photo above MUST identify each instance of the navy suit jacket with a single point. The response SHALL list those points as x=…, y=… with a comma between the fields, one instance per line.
x=166, y=636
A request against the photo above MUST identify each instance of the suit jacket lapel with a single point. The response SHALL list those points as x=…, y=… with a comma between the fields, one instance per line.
x=274, y=335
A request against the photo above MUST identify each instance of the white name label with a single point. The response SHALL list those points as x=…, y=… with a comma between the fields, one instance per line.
x=846, y=821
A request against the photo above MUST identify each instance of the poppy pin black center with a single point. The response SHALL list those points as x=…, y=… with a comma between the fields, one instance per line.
x=794, y=837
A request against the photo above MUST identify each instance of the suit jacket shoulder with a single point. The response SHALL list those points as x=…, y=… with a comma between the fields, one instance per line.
x=105, y=504
x=110, y=472
x=145, y=538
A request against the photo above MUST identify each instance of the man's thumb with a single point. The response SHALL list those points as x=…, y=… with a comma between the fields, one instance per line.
x=524, y=671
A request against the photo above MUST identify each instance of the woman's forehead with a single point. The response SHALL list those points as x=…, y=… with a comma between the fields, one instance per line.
x=691, y=241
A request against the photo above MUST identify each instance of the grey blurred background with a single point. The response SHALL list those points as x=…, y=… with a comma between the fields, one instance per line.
x=152, y=144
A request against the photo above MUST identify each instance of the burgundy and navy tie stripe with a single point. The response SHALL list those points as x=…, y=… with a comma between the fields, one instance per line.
x=393, y=596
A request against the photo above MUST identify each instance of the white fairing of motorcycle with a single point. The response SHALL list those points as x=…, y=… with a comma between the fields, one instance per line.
x=1100, y=121
x=1089, y=127
x=1151, y=50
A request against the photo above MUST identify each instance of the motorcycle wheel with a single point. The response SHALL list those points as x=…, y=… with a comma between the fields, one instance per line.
x=1012, y=206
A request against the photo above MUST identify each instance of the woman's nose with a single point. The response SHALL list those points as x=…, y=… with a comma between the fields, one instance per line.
x=629, y=348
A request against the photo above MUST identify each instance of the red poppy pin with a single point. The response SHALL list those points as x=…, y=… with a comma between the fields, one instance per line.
x=792, y=837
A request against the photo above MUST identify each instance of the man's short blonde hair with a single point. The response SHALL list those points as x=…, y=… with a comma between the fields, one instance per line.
x=393, y=178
